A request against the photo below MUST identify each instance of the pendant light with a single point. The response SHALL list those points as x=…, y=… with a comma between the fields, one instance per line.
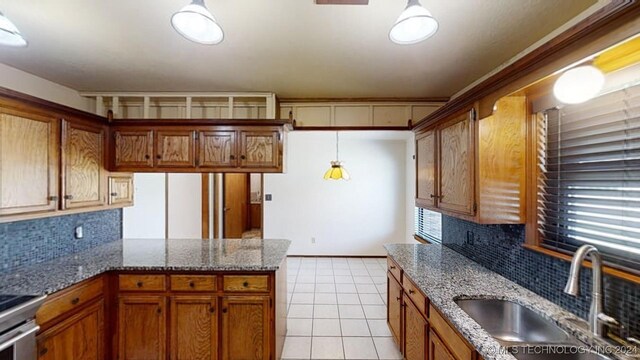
x=9, y=33
x=337, y=171
x=414, y=24
x=197, y=24
x=579, y=84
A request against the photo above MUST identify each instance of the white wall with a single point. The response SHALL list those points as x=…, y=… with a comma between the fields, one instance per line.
x=184, y=204
x=146, y=218
x=23, y=82
x=345, y=218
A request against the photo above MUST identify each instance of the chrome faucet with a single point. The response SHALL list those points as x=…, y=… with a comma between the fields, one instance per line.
x=597, y=318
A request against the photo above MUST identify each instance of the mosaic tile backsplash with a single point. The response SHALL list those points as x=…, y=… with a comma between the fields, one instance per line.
x=499, y=248
x=30, y=242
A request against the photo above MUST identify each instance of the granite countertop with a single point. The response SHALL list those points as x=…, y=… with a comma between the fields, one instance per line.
x=150, y=255
x=445, y=275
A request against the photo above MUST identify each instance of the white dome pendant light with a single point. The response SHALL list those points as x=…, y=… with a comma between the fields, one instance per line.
x=414, y=24
x=9, y=33
x=196, y=23
x=579, y=84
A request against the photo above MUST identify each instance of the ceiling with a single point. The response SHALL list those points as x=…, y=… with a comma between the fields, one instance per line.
x=291, y=47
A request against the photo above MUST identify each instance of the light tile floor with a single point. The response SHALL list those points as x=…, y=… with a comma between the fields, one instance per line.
x=337, y=309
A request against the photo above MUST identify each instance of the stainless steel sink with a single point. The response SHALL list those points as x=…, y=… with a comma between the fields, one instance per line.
x=560, y=352
x=511, y=323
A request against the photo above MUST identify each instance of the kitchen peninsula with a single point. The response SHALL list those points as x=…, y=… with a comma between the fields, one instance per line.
x=187, y=298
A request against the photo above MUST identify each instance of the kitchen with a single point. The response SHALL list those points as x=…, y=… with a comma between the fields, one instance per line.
x=231, y=180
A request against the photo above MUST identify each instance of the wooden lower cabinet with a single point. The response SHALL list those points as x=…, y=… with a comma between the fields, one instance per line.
x=194, y=327
x=142, y=322
x=437, y=349
x=80, y=336
x=245, y=327
x=415, y=332
x=394, y=308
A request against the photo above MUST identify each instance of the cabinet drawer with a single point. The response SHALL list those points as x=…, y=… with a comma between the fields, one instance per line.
x=70, y=299
x=394, y=269
x=130, y=282
x=455, y=343
x=193, y=282
x=414, y=294
x=250, y=283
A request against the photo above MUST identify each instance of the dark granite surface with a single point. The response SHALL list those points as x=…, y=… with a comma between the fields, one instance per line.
x=445, y=275
x=147, y=254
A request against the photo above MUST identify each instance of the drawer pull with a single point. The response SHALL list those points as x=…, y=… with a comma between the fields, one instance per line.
x=392, y=267
x=114, y=194
x=75, y=301
x=192, y=284
x=224, y=310
x=212, y=309
x=245, y=284
x=398, y=298
x=147, y=156
x=159, y=311
x=411, y=292
x=68, y=197
x=139, y=284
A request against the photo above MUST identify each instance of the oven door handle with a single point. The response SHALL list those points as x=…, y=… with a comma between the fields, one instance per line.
x=18, y=337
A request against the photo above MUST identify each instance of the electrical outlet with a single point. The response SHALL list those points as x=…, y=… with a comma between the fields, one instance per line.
x=313, y=240
x=78, y=232
x=267, y=197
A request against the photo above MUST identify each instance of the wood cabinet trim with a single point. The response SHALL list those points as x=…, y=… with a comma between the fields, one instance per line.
x=455, y=343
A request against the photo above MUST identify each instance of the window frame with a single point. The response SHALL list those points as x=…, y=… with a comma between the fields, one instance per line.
x=532, y=235
x=428, y=239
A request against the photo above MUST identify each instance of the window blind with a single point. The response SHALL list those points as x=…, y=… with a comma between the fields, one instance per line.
x=428, y=225
x=589, y=177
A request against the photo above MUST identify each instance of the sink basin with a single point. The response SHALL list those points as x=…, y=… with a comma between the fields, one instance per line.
x=561, y=352
x=513, y=324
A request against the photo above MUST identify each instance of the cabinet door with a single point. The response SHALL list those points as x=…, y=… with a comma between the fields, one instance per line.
x=426, y=169
x=217, y=149
x=133, y=149
x=121, y=189
x=394, y=308
x=415, y=332
x=456, y=164
x=175, y=148
x=28, y=162
x=83, y=165
x=80, y=336
x=194, y=328
x=437, y=349
x=260, y=149
x=141, y=327
x=245, y=327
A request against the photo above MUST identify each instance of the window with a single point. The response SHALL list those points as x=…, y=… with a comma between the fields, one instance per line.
x=428, y=225
x=589, y=177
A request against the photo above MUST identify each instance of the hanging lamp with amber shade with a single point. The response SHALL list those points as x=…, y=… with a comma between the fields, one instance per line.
x=337, y=171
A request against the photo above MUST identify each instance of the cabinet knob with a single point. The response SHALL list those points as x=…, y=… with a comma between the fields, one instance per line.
x=224, y=310
x=398, y=298
x=53, y=198
x=139, y=284
x=411, y=292
x=159, y=311
x=68, y=197
x=192, y=284
x=114, y=194
x=75, y=301
x=392, y=267
x=232, y=157
x=245, y=284
x=242, y=157
x=158, y=156
x=147, y=157
x=212, y=309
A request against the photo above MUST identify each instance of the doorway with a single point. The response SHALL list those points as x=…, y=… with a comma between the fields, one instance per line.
x=237, y=206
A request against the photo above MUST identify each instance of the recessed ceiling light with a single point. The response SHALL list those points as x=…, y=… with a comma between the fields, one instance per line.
x=414, y=24
x=197, y=24
x=9, y=33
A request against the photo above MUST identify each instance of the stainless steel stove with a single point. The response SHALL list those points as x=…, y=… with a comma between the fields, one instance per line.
x=18, y=326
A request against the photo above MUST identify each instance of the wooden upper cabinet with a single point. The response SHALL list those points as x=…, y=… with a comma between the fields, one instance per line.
x=217, y=149
x=426, y=169
x=175, y=148
x=28, y=162
x=245, y=324
x=133, y=148
x=194, y=327
x=260, y=149
x=121, y=189
x=83, y=165
x=81, y=336
x=456, y=165
x=142, y=326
